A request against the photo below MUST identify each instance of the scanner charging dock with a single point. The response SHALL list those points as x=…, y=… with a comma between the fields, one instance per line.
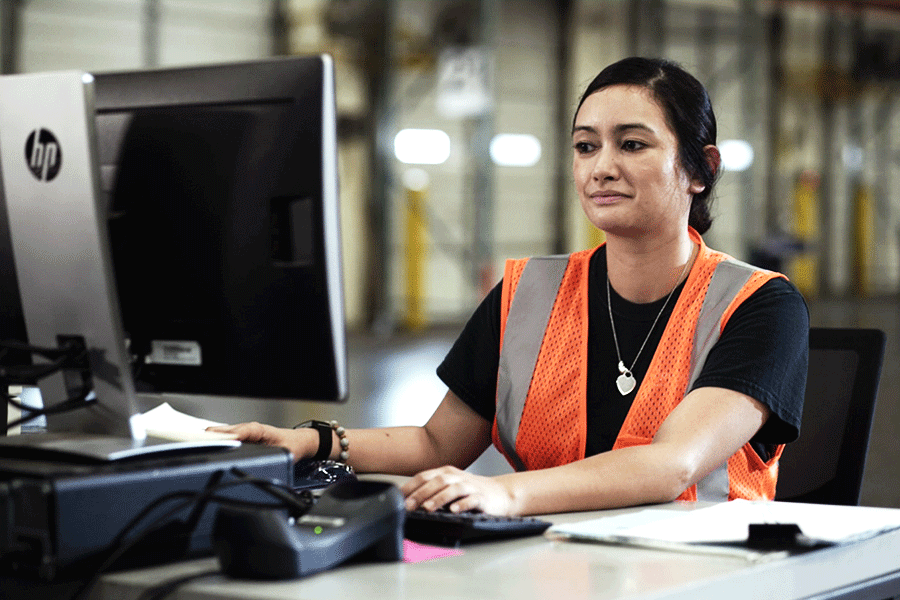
x=351, y=519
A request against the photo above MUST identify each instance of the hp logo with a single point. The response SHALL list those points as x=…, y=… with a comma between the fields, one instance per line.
x=43, y=154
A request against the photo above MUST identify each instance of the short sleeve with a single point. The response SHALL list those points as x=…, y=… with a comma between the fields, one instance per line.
x=763, y=352
x=470, y=367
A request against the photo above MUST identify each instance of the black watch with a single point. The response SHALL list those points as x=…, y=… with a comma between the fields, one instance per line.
x=324, y=429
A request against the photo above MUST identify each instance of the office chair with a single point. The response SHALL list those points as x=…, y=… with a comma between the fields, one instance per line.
x=825, y=464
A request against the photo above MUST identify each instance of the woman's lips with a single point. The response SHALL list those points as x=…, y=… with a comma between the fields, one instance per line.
x=607, y=197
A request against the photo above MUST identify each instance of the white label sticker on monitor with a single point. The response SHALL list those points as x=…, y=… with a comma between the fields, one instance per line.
x=175, y=352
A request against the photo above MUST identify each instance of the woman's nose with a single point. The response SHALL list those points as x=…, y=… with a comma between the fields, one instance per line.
x=605, y=165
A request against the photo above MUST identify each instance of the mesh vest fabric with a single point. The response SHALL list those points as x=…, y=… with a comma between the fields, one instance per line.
x=553, y=426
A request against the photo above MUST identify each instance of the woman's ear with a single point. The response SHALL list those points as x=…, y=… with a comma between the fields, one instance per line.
x=714, y=159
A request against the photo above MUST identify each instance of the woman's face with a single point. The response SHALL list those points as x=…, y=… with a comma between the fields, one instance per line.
x=626, y=166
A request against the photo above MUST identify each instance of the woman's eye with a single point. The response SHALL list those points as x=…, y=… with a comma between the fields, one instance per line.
x=583, y=147
x=632, y=145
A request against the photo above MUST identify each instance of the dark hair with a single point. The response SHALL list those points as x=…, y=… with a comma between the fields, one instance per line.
x=688, y=111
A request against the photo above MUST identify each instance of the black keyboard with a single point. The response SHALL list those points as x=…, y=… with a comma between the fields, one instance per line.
x=445, y=528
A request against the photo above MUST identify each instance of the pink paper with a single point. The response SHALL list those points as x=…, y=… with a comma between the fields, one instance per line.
x=414, y=552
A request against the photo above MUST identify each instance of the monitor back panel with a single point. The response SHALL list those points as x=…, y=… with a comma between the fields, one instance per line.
x=59, y=240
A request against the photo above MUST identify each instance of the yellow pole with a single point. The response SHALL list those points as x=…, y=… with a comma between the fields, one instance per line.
x=416, y=183
x=804, y=267
x=863, y=234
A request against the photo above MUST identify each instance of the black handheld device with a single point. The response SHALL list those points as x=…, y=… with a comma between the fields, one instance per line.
x=311, y=474
x=350, y=519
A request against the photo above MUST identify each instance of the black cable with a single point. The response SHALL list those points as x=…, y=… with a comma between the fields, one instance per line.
x=284, y=493
x=73, y=403
x=56, y=408
x=119, y=546
x=59, y=358
x=40, y=350
x=31, y=373
x=70, y=354
x=161, y=591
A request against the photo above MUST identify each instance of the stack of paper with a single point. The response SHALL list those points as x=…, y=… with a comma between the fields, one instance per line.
x=723, y=528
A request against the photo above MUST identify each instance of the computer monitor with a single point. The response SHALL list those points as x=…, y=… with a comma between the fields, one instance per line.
x=223, y=200
x=204, y=245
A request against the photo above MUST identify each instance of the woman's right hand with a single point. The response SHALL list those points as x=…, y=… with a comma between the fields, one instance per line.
x=301, y=443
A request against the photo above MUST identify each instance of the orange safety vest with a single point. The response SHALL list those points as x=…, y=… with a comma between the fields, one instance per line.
x=541, y=416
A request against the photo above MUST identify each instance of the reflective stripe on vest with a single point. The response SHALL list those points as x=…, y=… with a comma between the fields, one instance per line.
x=727, y=281
x=528, y=316
x=527, y=321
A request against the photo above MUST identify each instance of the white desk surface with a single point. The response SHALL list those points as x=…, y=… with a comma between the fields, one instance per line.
x=543, y=569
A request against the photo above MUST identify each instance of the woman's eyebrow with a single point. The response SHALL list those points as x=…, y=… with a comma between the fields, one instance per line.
x=585, y=128
x=618, y=129
x=629, y=126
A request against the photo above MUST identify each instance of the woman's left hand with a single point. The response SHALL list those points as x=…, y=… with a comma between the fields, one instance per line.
x=458, y=491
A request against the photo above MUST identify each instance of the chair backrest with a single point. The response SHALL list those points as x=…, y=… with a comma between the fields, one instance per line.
x=825, y=464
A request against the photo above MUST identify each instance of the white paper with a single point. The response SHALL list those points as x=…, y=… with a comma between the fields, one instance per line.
x=729, y=522
x=169, y=424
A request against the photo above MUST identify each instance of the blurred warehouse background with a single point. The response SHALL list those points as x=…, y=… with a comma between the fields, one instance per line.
x=454, y=131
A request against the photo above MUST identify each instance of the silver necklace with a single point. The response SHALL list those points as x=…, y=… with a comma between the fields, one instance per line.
x=625, y=381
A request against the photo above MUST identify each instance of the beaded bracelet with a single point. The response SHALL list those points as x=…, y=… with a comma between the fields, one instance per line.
x=342, y=440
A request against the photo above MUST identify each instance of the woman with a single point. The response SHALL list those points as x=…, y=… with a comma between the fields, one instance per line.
x=646, y=370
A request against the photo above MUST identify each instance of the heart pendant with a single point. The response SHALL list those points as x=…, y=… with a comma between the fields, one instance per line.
x=625, y=382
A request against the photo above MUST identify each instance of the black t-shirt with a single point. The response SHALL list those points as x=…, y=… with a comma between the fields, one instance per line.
x=762, y=352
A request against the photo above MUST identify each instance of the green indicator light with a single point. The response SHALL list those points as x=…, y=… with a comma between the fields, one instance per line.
x=318, y=529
